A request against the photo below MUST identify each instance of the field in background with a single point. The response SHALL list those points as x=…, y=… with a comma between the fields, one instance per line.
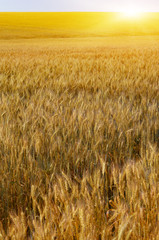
x=75, y=24
x=79, y=137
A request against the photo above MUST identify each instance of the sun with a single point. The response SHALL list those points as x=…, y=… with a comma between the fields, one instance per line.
x=131, y=13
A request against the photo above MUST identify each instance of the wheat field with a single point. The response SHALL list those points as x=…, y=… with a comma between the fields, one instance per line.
x=79, y=138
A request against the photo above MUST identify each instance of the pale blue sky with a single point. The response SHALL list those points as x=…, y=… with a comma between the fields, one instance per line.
x=78, y=5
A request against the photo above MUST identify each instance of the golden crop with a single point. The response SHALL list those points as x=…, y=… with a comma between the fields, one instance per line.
x=74, y=24
x=79, y=139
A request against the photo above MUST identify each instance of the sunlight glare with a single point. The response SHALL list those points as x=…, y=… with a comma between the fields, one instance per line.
x=131, y=13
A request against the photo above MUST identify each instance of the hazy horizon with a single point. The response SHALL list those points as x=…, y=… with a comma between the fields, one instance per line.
x=33, y=25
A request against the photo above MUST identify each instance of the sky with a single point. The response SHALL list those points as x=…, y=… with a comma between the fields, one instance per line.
x=78, y=5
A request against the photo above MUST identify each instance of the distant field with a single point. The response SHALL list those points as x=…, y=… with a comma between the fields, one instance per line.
x=42, y=25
